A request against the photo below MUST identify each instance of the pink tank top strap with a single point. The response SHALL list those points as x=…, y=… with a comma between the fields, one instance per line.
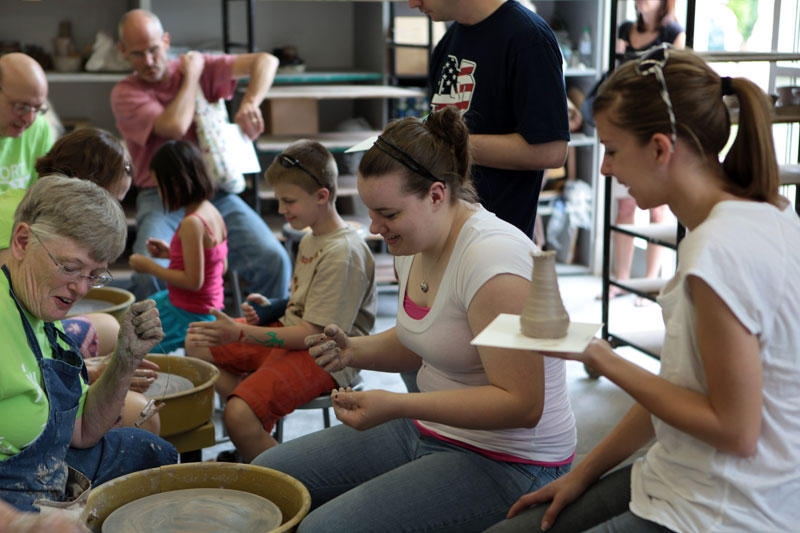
x=208, y=228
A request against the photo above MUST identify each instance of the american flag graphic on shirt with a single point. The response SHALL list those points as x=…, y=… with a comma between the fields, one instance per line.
x=456, y=85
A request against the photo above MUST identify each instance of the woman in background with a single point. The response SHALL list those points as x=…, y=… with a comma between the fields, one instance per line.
x=655, y=24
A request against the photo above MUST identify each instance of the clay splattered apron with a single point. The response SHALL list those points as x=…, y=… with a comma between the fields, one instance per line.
x=40, y=470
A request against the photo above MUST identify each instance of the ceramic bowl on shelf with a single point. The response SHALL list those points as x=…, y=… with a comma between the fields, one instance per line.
x=789, y=95
x=67, y=63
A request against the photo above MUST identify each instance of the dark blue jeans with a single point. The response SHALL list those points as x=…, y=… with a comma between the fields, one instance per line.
x=390, y=478
x=602, y=508
x=121, y=451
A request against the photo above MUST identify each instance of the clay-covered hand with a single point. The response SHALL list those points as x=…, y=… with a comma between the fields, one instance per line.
x=223, y=330
x=560, y=493
x=330, y=349
x=249, y=312
x=157, y=248
x=140, y=263
x=361, y=409
x=250, y=120
x=144, y=376
x=192, y=64
x=139, y=332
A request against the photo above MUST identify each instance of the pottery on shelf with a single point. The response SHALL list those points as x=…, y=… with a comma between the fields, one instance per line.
x=544, y=315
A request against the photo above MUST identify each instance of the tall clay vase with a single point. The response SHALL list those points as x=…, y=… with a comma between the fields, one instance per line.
x=544, y=316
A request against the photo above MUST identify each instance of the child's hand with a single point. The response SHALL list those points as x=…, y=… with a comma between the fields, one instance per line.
x=140, y=263
x=250, y=313
x=223, y=330
x=158, y=248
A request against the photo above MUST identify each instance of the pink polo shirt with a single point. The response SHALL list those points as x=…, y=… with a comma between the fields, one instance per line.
x=137, y=104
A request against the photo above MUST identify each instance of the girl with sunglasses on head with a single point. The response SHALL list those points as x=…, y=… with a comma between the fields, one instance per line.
x=489, y=424
x=198, y=252
x=723, y=415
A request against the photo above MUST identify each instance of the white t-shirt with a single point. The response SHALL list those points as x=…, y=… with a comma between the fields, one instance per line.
x=486, y=247
x=749, y=254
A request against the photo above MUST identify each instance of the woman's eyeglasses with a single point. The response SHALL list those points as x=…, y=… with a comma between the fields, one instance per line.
x=22, y=109
x=403, y=158
x=74, y=274
x=653, y=62
x=288, y=161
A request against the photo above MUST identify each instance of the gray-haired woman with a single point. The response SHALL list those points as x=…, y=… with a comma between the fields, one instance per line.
x=54, y=428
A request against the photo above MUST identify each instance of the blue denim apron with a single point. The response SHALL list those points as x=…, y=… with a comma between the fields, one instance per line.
x=40, y=470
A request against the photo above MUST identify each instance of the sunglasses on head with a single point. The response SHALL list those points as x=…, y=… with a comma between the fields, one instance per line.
x=288, y=161
x=653, y=62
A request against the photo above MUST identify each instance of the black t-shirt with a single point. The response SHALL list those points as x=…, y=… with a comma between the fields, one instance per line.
x=667, y=34
x=505, y=76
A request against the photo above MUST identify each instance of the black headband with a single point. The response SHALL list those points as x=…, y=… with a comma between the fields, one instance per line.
x=406, y=160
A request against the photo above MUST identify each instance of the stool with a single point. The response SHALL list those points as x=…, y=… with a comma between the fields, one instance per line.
x=323, y=401
x=231, y=277
x=190, y=443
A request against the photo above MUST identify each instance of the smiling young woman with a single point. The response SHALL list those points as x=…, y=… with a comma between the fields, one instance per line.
x=724, y=413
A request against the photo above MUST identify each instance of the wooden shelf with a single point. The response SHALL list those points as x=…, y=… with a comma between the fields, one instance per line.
x=665, y=234
x=726, y=57
x=780, y=114
x=581, y=139
x=345, y=186
x=336, y=76
x=578, y=72
x=340, y=92
x=85, y=77
x=281, y=78
x=338, y=141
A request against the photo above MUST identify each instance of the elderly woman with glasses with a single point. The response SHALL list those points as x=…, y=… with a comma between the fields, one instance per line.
x=55, y=437
x=96, y=155
x=721, y=421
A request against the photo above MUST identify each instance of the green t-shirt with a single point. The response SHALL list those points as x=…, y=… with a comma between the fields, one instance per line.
x=9, y=200
x=18, y=155
x=17, y=161
x=24, y=406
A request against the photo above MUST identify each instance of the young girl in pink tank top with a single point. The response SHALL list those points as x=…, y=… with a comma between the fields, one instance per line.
x=198, y=251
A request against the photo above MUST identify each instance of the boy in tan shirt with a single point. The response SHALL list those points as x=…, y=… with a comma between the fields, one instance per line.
x=266, y=372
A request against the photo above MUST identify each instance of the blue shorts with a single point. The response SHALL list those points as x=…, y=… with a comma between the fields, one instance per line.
x=174, y=321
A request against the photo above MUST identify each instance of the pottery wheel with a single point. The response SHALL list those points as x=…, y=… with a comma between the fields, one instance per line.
x=168, y=384
x=196, y=510
x=90, y=305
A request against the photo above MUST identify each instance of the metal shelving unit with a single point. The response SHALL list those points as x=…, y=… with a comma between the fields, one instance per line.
x=669, y=235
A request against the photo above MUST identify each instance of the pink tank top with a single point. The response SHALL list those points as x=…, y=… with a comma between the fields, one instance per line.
x=211, y=293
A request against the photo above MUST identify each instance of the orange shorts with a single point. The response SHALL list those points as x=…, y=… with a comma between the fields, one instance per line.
x=278, y=380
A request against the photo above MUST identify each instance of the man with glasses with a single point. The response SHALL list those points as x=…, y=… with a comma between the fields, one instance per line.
x=157, y=103
x=24, y=133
